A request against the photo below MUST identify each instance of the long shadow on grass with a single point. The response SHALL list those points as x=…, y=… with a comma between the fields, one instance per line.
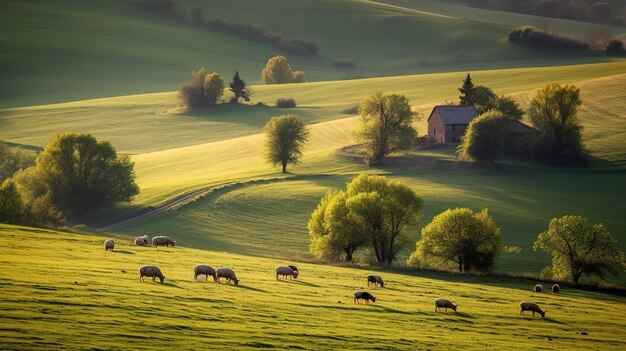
x=390, y=310
x=125, y=252
x=300, y=282
x=171, y=285
x=250, y=288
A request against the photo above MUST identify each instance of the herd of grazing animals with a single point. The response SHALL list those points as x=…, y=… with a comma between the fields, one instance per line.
x=291, y=271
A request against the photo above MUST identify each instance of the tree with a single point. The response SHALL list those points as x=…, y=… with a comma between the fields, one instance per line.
x=579, y=248
x=373, y=212
x=482, y=96
x=335, y=232
x=467, y=92
x=483, y=141
x=386, y=125
x=203, y=90
x=238, y=88
x=285, y=136
x=507, y=105
x=615, y=46
x=12, y=160
x=552, y=112
x=80, y=174
x=459, y=238
x=12, y=208
x=278, y=71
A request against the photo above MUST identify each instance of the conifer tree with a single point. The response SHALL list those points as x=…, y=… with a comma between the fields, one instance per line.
x=468, y=96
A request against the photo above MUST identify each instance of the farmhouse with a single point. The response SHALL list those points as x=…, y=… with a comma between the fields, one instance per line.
x=448, y=123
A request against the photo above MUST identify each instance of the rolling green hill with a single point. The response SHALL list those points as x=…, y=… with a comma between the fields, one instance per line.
x=72, y=50
x=69, y=292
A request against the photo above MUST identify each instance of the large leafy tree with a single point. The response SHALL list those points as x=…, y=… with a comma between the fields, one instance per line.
x=285, y=136
x=12, y=208
x=579, y=248
x=482, y=96
x=79, y=174
x=203, y=90
x=459, y=238
x=373, y=212
x=279, y=71
x=483, y=141
x=507, y=105
x=386, y=125
x=553, y=112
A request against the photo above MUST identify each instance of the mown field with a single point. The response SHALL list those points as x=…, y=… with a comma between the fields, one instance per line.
x=72, y=50
x=68, y=292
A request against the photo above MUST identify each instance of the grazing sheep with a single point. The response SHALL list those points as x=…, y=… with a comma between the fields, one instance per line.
x=109, y=244
x=531, y=306
x=376, y=280
x=358, y=295
x=163, y=240
x=141, y=240
x=443, y=303
x=286, y=271
x=538, y=288
x=294, y=268
x=151, y=271
x=229, y=274
x=202, y=269
x=556, y=288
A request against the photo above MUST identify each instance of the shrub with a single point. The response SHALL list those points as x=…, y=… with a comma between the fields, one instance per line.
x=286, y=103
x=205, y=89
x=530, y=35
x=344, y=64
x=278, y=71
x=615, y=46
x=298, y=46
x=191, y=94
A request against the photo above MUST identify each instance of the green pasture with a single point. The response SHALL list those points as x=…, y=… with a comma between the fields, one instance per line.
x=72, y=50
x=68, y=292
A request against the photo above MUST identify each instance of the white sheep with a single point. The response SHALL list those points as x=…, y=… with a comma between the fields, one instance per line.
x=151, y=271
x=443, y=303
x=141, y=240
x=556, y=288
x=286, y=271
x=228, y=273
x=538, y=288
x=162, y=240
x=202, y=269
x=109, y=244
x=532, y=307
x=376, y=280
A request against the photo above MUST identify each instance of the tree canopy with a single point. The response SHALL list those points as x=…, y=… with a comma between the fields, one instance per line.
x=285, y=136
x=482, y=96
x=386, y=125
x=483, y=141
x=467, y=97
x=205, y=89
x=579, y=248
x=79, y=174
x=459, y=238
x=279, y=71
x=507, y=105
x=553, y=112
x=239, y=89
x=372, y=212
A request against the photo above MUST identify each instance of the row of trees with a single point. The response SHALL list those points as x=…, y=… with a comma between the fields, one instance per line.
x=75, y=174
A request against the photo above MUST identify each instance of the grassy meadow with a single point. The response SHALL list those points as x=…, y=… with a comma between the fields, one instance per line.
x=105, y=48
x=69, y=292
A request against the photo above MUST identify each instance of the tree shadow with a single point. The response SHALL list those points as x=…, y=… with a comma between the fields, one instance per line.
x=170, y=284
x=300, y=282
x=389, y=309
x=248, y=288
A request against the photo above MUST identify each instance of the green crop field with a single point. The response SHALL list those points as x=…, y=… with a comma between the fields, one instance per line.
x=69, y=293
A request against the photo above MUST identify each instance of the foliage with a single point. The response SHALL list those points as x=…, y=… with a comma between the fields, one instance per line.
x=278, y=71
x=297, y=46
x=530, y=35
x=615, y=46
x=79, y=174
x=238, y=88
x=482, y=97
x=205, y=89
x=12, y=208
x=483, y=141
x=552, y=112
x=386, y=125
x=285, y=136
x=459, y=237
x=13, y=160
x=507, y=105
x=467, y=97
x=285, y=103
x=579, y=248
x=334, y=229
x=373, y=211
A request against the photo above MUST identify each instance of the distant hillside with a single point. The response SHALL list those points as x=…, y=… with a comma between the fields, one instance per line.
x=71, y=50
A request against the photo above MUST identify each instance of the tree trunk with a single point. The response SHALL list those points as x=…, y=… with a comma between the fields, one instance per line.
x=460, y=264
x=284, y=167
x=576, y=277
